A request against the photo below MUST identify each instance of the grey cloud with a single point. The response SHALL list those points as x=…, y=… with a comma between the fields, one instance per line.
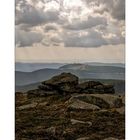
x=116, y=40
x=69, y=35
x=50, y=28
x=93, y=39
x=51, y=40
x=25, y=27
x=56, y=40
x=90, y=22
x=33, y=16
x=44, y=43
x=116, y=8
x=24, y=39
x=102, y=28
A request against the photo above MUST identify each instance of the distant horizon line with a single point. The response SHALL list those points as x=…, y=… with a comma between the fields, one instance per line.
x=69, y=62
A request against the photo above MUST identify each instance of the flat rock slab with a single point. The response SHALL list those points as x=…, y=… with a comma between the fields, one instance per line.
x=27, y=106
x=112, y=139
x=121, y=110
x=81, y=105
x=84, y=138
x=73, y=121
x=32, y=105
x=101, y=100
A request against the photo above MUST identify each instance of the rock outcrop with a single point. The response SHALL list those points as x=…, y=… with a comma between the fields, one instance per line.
x=91, y=87
x=67, y=83
x=64, y=109
x=100, y=100
x=81, y=105
x=63, y=83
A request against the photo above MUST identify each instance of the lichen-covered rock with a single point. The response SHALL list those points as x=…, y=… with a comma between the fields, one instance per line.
x=110, y=138
x=46, y=87
x=67, y=83
x=121, y=110
x=74, y=121
x=64, y=83
x=109, y=89
x=89, y=84
x=51, y=130
x=40, y=93
x=84, y=138
x=28, y=106
x=93, y=87
x=101, y=100
x=81, y=105
x=62, y=78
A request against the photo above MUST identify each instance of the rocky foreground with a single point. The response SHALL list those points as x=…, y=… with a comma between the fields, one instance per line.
x=64, y=109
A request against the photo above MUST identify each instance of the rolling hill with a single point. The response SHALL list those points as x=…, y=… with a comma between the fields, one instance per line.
x=30, y=67
x=95, y=69
x=24, y=78
x=81, y=70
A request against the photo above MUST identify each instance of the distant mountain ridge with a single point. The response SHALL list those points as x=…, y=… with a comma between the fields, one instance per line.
x=23, y=78
x=106, y=64
x=77, y=66
x=95, y=69
x=29, y=67
x=81, y=70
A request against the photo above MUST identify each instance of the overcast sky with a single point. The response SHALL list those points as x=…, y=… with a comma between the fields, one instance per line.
x=70, y=30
